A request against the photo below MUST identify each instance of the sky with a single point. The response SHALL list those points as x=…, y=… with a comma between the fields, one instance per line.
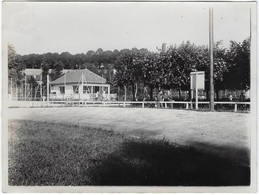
x=79, y=27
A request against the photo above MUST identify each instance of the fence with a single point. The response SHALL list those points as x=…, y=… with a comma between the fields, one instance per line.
x=28, y=92
x=181, y=95
x=143, y=104
x=222, y=94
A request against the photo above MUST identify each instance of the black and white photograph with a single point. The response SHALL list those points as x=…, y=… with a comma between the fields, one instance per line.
x=129, y=96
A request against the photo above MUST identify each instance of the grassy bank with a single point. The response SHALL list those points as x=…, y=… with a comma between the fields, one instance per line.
x=43, y=153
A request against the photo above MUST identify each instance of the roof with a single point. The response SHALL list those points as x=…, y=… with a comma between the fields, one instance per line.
x=36, y=77
x=31, y=72
x=75, y=76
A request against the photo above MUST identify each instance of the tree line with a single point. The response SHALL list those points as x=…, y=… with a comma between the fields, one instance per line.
x=170, y=67
x=167, y=68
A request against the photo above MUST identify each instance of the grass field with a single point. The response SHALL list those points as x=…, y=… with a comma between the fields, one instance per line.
x=179, y=126
x=42, y=153
x=117, y=146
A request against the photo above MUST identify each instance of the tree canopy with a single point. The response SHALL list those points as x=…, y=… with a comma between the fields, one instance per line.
x=167, y=68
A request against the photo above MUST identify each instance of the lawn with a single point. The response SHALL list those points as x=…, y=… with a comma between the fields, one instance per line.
x=51, y=153
x=219, y=129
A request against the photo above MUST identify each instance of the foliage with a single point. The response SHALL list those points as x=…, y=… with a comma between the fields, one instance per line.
x=170, y=67
x=45, y=71
x=167, y=68
x=238, y=58
x=56, y=71
x=15, y=65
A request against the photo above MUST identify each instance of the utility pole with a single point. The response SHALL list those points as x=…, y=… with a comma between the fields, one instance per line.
x=41, y=91
x=196, y=91
x=11, y=88
x=125, y=91
x=47, y=89
x=22, y=91
x=82, y=82
x=16, y=92
x=31, y=90
x=25, y=88
x=211, y=59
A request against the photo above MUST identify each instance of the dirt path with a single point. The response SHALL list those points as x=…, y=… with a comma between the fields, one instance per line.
x=180, y=126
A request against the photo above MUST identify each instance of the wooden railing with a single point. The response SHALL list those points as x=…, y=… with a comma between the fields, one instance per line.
x=188, y=105
x=143, y=104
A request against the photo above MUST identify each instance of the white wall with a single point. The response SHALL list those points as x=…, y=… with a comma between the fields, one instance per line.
x=70, y=94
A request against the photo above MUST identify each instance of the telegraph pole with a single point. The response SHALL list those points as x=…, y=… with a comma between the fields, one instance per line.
x=211, y=59
x=11, y=88
x=47, y=89
x=25, y=88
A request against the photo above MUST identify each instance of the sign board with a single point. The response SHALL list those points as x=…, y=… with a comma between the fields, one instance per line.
x=197, y=80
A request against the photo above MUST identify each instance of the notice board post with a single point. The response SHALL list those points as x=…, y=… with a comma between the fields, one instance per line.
x=197, y=83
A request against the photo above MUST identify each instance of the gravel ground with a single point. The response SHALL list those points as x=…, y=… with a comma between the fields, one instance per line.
x=218, y=129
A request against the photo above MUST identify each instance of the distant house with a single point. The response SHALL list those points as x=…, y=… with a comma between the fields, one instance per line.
x=37, y=73
x=81, y=85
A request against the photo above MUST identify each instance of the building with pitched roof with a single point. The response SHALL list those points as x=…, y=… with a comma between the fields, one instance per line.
x=80, y=84
x=37, y=73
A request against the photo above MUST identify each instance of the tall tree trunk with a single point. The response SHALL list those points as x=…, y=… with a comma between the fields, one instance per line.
x=145, y=93
x=118, y=93
x=190, y=94
x=125, y=91
x=136, y=91
x=133, y=91
x=151, y=93
x=207, y=95
x=180, y=95
x=217, y=94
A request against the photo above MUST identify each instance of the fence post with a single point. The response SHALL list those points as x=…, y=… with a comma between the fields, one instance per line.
x=124, y=104
x=187, y=105
x=143, y=104
x=235, y=107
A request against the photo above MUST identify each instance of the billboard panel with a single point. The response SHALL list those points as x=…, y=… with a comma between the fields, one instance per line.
x=197, y=80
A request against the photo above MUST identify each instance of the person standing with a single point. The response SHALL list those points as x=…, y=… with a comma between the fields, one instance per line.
x=160, y=99
x=156, y=102
x=97, y=96
x=166, y=98
x=104, y=96
x=230, y=98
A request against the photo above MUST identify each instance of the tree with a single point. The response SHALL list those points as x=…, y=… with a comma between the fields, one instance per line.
x=220, y=66
x=150, y=73
x=50, y=58
x=238, y=58
x=90, y=66
x=32, y=60
x=66, y=59
x=175, y=64
x=129, y=69
x=15, y=65
x=56, y=71
x=45, y=71
x=122, y=75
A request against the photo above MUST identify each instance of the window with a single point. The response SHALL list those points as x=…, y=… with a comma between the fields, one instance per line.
x=75, y=89
x=85, y=89
x=62, y=90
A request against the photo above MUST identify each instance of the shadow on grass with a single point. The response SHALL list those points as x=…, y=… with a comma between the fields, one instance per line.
x=46, y=154
x=161, y=163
